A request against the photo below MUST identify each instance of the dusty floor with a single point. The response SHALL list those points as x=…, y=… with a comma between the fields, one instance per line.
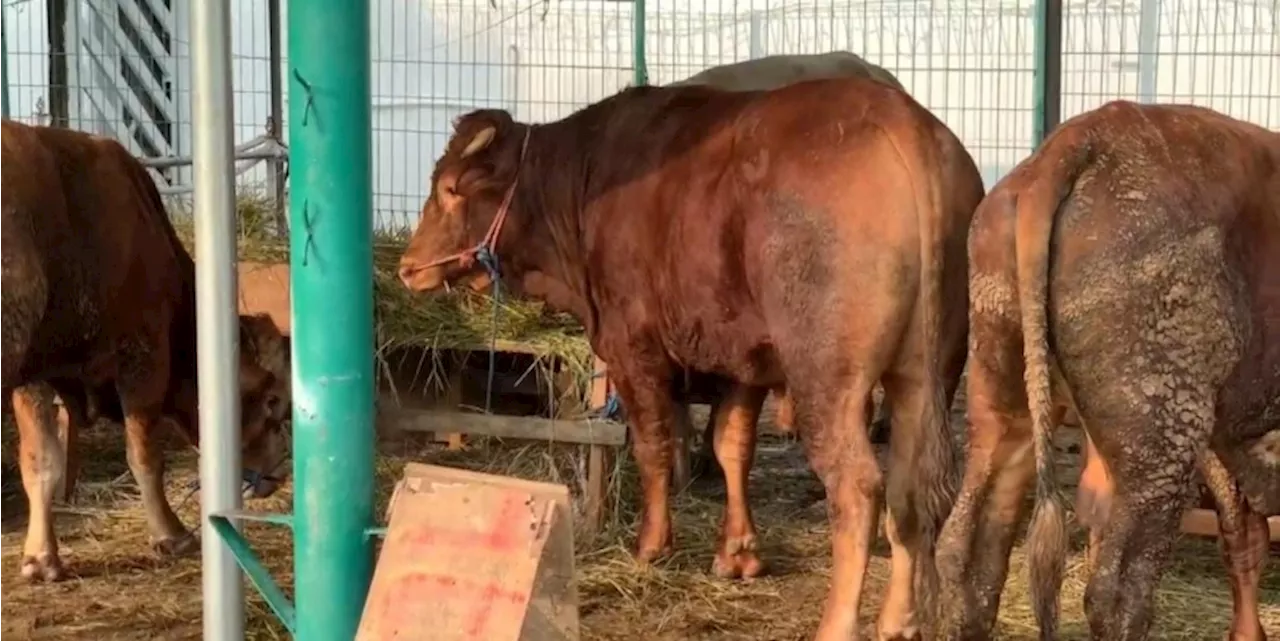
x=120, y=590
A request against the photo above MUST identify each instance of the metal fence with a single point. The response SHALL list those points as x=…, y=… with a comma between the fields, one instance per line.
x=123, y=66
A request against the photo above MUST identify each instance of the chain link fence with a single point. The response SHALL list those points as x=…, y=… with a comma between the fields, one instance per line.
x=122, y=67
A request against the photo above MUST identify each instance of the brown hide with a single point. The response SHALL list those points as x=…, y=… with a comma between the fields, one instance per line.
x=813, y=234
x=99, y=302
x=1155, y=230
x=771, y=72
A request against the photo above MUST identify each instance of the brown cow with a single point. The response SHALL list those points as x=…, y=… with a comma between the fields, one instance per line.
x=769, y=72
x=99, y=304
x=1155, y=229
x=813, y=234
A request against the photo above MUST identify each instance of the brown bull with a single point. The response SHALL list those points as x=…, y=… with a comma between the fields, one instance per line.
x=769, y=72
x=1129, y=270
x=99, y=307
x=813, y=234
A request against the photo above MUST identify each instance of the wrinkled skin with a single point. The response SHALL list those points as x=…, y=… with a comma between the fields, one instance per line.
x=99, y=309
x=1156, y=230
x=833, y=267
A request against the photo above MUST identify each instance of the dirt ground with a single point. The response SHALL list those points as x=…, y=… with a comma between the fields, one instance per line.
x=121, y=590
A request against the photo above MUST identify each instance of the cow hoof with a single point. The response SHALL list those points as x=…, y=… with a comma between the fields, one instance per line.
x=178, y=546
x=646, y=556
x=744, y=564
x=46, y=568
x=905, y=633
x=901, y=635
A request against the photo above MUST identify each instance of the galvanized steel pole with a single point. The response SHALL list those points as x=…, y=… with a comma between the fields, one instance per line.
x=218, y=332
x=331, y=274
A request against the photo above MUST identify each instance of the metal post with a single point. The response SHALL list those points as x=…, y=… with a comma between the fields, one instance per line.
x=331, y=278
x=217, y=328
x=4, y=62
x=1148, y=49
x=638, y=44
x=276, y=128
x=756, y=36
x=1048, y=70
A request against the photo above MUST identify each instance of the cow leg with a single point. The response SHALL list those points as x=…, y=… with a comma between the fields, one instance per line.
x=1156, y=473
x=651, y=415
x=785, y=414
x=682, y=438
x=833, y=426
x=974, y=546
x=735, y=446
x=1244, y=541
x=41, y=461
x=705, y=466
x=1093, y=500
x=142, y=385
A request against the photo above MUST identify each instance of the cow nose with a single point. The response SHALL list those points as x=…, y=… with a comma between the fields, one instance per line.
x=407, y=270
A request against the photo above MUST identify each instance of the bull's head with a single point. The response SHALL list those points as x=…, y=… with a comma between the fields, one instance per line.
x=471, y=191
x=265, y=405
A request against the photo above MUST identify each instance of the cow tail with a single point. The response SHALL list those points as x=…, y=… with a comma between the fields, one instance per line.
x=1037, y=207
x=935, y=477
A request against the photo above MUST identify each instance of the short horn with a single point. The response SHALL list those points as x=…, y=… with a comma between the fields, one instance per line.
x=481, y=141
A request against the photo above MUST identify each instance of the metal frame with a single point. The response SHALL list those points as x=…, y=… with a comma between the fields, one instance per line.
x=1048, y=70
x=331, y=261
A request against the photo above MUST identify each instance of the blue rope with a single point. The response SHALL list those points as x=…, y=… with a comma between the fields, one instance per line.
x=612, y=404
x=489, y=261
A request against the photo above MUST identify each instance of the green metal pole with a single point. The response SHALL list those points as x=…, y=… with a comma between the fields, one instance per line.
x=638, y=44
x=331, y=267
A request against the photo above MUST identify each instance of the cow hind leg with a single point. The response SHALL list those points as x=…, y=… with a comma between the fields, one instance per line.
x=832, y=421
x=735, y=446
x=705, y=466
x=1155, y=469
x=1245, y=539
x=142, y=386
x=909, y=525
x=978, y=536
x=43, y=468
x=651, y=414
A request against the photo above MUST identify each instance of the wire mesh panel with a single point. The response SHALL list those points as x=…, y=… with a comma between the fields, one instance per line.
x=436, y=60
x=1221, y=54
x=122, y=67
x=970, y=62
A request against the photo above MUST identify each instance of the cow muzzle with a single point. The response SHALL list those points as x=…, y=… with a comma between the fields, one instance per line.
x=420, y=277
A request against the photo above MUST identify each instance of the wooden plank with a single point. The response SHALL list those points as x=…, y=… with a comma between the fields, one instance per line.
x=1204, y=522
x=590, y=432
x=599, y=460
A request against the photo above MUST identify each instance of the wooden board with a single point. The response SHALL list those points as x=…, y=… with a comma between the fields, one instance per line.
x=1204, y=522
x=471, y=557
x=589, y=432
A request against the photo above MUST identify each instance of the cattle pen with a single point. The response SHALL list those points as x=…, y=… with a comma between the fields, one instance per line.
x=318, y=123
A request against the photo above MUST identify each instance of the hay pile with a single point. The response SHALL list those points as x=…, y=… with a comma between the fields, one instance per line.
x=123, y=592
x=459, y=320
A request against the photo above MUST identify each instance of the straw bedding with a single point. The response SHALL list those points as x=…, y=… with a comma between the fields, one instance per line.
x=122, y=591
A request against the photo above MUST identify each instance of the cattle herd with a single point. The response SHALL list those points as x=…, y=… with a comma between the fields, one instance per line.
x=798, y=224
x=823, y=232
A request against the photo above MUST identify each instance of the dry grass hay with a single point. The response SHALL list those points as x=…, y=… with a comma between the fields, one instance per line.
x=122, y=591
x=459, y=320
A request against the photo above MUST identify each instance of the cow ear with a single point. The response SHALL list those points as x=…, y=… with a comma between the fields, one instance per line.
x=480, y=141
